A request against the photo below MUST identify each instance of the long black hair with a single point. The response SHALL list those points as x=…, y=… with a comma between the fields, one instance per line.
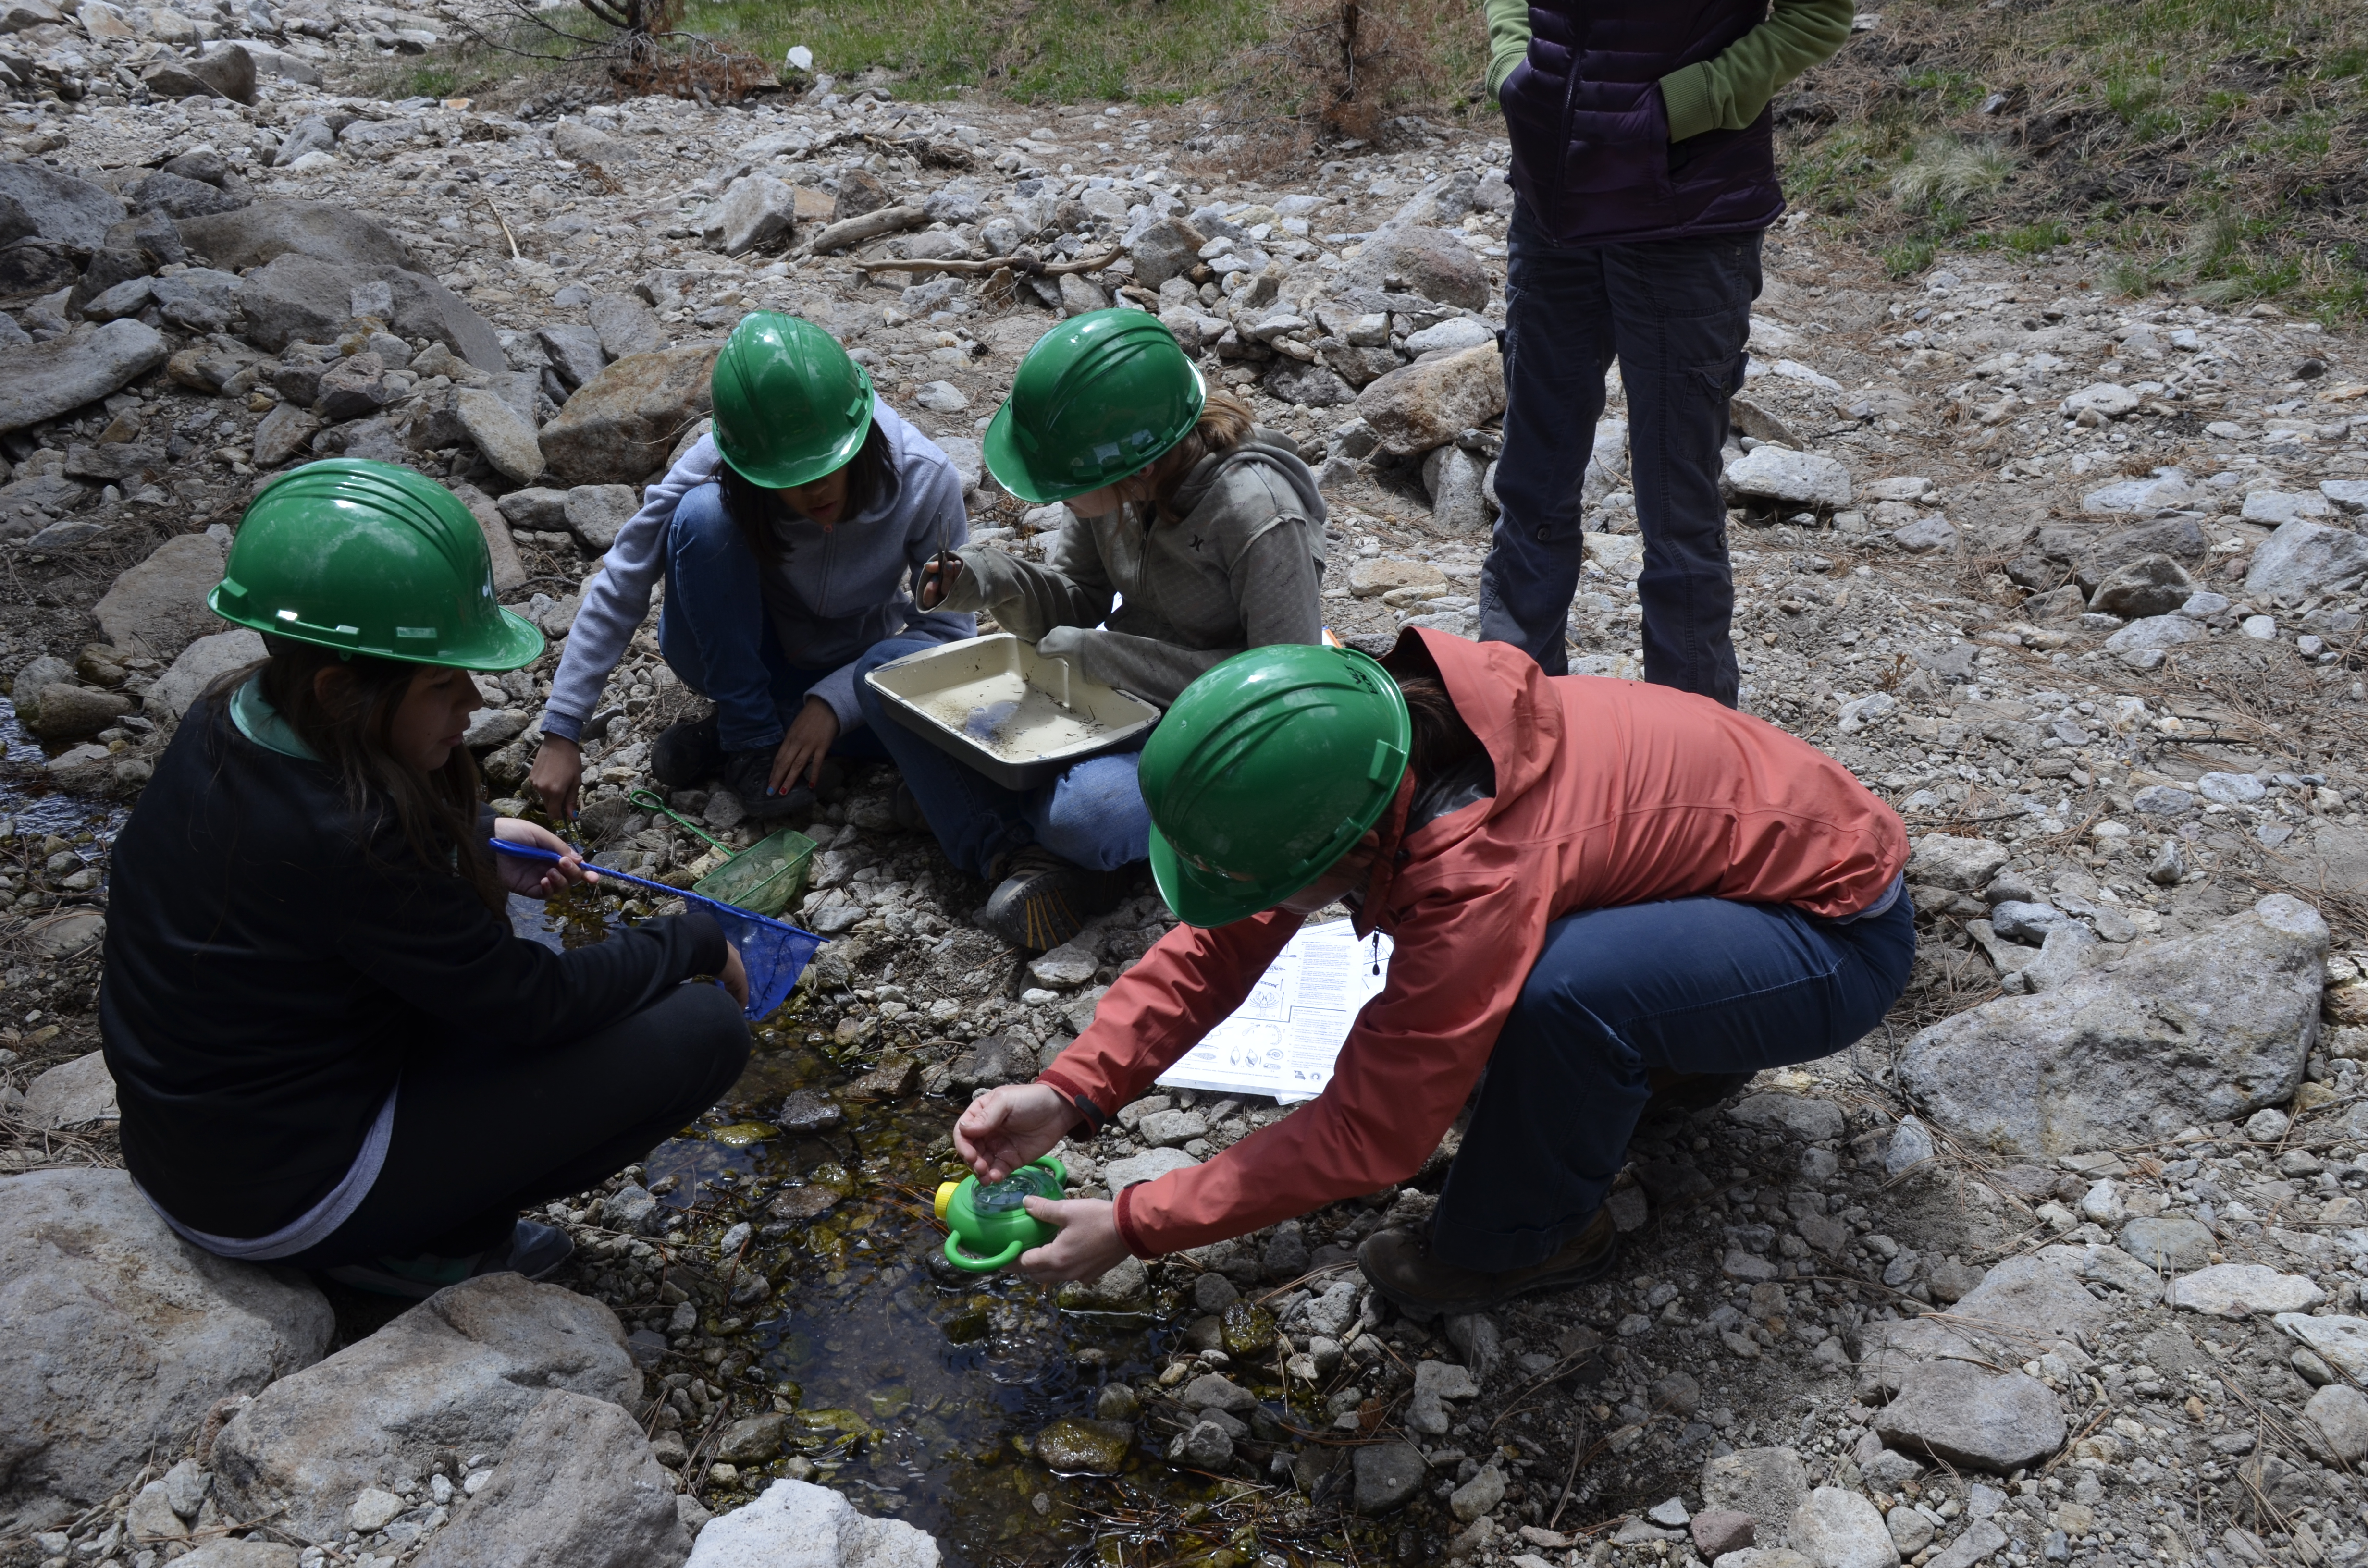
x=754, y=509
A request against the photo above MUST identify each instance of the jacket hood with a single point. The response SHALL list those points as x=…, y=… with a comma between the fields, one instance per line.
x=1272, y=449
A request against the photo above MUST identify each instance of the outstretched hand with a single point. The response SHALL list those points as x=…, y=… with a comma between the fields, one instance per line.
x=1087, y=1247
x=533, y=878
x=1005, y=1127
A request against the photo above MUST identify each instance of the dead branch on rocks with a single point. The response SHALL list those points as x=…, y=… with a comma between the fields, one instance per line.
x=1020, y=262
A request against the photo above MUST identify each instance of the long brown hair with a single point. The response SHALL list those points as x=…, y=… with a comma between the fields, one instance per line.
x=754, y=509
x=1225, y=423
x=350, y=727
x=1442, y=740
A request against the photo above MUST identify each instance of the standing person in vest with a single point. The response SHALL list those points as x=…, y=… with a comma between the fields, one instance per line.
x=1644, y=171
x=1191, y=535
x=785, y=539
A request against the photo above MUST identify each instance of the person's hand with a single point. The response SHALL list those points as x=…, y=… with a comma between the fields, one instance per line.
x=934, y=586
x=533, y=877
x=799, y=760
x=734, y=975
x=1087, y=1247
x=1005, y=1127
x=557, y=774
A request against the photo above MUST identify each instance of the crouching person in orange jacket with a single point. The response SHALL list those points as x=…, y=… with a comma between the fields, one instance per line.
x=1588, y=884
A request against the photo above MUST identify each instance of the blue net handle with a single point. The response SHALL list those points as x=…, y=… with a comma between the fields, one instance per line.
x=773, y=952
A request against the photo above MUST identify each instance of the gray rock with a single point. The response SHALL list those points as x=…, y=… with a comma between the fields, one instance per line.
x=116, y=1337
x=1073, y=1446
x=2342, y=1342
x=2109, y=399
x=626, y=325
x=1213, y=1390
x=283, y=434
x=1911, y=1529
x=255, y=234
x=1927, y=534
x=1769, y=1485
x=353, y=388
x=1426, y=405
x=796, y=1525
x=620, y=425
x=198, y=666
x=2070, y=949
x=425, y=308
x=294, y=297
x=62, y=713
x=59, y=206
x=576, y=1488
x=1835, y=1529
x=42, y=380
x=1957, y=1413
x=1167, y=249
x=1386, y=1476
x=1911, y=1144
x=222, y=1552
x=224, y=71
x=2150, y=586
x=2193, y=1029
x=1125, y=1288
x=2171, y=1242
x=1447, y=336
x=2335, y=1424
x=461, y=1371
x=311, y=134
x=159, y=606
x=2304, y=558
x=1205, y=1445
x=537, y=509
x=1172, y=1129
x=1317, y=386
x=73, y=1094
x=1717, y=1531
x=1081, y=296
x=1981, y=1539
x=202, y=298
x=2019, y=921
x=1149, y=1165
x=755, y=209
x=1065, y=967
x=1452, y=475
x=1962, y=865
x=508, y=442
x=1809, y=1120
x=1789, y=478
x=176, y=197
x=2241, y=1289
x=1478, y=1495
x=574, y=352
x=1431, y=263
x=1434, y=1383
x=595, y=512
x=2162, y=801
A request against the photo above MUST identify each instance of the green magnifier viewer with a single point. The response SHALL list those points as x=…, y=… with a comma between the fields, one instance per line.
x=988, y=1227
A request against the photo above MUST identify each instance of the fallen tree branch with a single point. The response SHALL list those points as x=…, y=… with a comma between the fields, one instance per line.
x=870, y=226
x=1022, y=262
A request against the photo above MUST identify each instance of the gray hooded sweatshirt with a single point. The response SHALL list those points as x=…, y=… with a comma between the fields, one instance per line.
x=835, y=592
x=1240, y=567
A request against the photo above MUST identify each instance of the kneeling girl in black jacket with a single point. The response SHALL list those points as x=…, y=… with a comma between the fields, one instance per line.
x=330, y=1049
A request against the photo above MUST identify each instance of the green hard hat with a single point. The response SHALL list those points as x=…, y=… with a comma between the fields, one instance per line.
x=1099, y=398
x=1268, y=769
x=369, y=558
x=790, y=405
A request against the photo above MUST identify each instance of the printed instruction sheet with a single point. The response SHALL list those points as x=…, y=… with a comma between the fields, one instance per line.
x=1284, y=1039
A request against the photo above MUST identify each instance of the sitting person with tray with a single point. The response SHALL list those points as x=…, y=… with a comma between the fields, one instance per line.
x=785, y=540
x=1190, y=535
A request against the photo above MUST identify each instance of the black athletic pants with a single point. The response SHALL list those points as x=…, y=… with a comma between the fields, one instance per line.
x=476, y=1141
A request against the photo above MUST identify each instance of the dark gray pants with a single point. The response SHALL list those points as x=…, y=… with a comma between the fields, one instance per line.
x=1675, y=313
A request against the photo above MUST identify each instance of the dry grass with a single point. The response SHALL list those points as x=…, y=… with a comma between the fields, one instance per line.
x=2220, y=145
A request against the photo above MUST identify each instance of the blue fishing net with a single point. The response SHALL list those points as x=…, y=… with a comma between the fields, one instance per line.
x=773, y=952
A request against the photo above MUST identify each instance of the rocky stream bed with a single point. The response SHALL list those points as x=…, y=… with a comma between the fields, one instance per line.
x=2063, y=1265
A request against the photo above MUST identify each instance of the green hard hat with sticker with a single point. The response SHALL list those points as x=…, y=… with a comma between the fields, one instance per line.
x=1099, y=398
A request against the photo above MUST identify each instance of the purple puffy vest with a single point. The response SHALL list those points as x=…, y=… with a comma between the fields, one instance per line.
x=1593, y=159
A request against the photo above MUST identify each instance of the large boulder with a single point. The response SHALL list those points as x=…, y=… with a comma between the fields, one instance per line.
x=1430, y=261
x=578, y=1488
x=160, y=604
x=2205, y=1027
x=60, y=206
x=255, y=234
x=620, y=425
x=1789, y=478
x=1168, y=248
x=2304, y=558
x=755, y=209
x=294, y=296
x=507, y=441
x=1963, y=1415
x=796, y=1525
x=2021, y=1306
x=116, y=1337
x=425, y=308
x=626, y=325
x=225, y=71
x=198, y=666
x=459, y=1372
x=73, y=1094
x=42, y=380
x=1426, y=406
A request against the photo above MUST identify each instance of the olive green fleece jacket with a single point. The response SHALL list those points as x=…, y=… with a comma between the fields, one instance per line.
x=1725, y=93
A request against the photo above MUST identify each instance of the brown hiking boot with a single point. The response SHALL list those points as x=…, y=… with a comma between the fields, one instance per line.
x=1398, y=1264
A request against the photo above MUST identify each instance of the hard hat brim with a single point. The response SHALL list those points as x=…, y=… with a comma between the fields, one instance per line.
x=513, y=643
x=1207, y=901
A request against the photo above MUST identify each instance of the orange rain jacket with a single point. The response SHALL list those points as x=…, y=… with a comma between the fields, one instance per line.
x=1607, y=792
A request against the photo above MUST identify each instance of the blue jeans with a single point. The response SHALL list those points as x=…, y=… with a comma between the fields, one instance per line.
x=1092, y=815
x=1691, y=985
x=715, y=635
x=1675, y=313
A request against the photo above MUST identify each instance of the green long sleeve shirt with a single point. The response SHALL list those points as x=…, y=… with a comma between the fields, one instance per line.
x=1724, y=93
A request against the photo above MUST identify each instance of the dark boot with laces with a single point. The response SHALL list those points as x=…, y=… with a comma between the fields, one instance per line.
x=1040, y=900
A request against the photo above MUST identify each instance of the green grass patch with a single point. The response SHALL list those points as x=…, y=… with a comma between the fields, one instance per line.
x=2034, y=239
x=1908, y=258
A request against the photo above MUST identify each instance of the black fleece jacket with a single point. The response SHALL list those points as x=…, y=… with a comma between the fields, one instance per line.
x=271, y=958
